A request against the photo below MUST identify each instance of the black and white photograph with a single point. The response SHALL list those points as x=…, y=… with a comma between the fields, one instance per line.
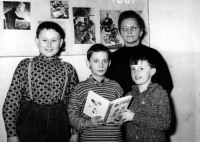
x=17, y=15
x=54, y=53
x=59, y=9
x=84, y=25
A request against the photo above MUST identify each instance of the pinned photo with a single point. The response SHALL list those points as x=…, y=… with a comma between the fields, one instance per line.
x=16, y=15
x=59, y=9
x=84, y=26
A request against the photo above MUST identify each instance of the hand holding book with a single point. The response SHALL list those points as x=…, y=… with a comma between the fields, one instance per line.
x=93, y=122
x=110, y=111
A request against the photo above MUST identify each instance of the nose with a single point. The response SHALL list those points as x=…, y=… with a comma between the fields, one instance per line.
x=137, y=71
x=101, y=64
x=49, y=43
x=129, y=31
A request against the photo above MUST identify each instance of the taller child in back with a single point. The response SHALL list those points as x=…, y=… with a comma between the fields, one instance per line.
x=35, y=108
x=94, y=129
x=149, y=113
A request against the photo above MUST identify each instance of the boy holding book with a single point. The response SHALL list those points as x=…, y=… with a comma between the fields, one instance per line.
x=94, y=129
x=149, y=113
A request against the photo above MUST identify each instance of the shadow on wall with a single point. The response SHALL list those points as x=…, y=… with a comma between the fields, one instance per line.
x=173, y=126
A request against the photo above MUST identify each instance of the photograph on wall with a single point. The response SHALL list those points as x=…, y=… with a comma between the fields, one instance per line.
x=84, y=25
x=16, y=15
x=108, y=27
x=59, y=9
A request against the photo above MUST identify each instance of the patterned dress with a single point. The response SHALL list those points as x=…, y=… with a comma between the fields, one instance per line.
x=47, y=80
x=108, y=89
x=152, y=115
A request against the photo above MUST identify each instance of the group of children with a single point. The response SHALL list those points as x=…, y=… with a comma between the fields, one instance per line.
x=45, y=100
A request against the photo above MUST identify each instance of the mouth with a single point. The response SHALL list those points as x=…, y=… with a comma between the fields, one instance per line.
x=100, y=70
x=49, y=50
x=137, y=77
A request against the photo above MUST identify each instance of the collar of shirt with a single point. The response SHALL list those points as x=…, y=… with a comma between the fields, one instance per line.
x=149, y=88
x=52, y=59
x=141, y=96
x=91, y=79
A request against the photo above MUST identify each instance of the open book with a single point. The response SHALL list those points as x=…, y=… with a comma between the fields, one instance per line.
x=110, y=111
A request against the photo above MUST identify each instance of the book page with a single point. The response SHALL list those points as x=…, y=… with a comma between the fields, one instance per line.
x=118, y=107
x=96, y=105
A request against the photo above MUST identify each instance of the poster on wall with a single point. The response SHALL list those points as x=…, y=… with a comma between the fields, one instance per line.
x=86, y=22
x=16, y=15
x=59, y=9
x=108, y=27
x=84, y=25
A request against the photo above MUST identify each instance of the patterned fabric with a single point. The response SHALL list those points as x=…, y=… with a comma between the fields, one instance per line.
x=120, y=68
x=47, y=82
x=108, y=89
x=152, y=115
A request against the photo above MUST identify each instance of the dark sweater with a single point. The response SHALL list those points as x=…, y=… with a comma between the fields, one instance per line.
x=120, y=68
x=152, y=115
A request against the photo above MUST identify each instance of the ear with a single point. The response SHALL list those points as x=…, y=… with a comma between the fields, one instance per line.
x=141, y=32
x=61, y=42
x=88, y=63
x=109, y=63
x=36, y=41
x=153, y=71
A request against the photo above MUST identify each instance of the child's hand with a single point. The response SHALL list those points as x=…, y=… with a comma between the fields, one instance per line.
x=97, y=121
x=74, y=138
x=128, y=115
x=13, y=139
x=93, y=122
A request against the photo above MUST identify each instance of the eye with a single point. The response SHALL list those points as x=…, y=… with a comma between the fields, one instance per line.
x=54, y=40
x=125, y=29
x=132, y=69
x=141, y=68
x=134, y=28
x=105, y=61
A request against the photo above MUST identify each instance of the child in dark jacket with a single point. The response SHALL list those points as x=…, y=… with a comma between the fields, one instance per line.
x=149, y=114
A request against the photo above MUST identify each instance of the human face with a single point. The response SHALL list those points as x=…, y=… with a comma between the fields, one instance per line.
x=49, y=42
x=131, y=37
x=98, y=64
x=142, y=73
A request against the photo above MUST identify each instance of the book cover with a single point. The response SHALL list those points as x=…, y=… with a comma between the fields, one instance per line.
x=109, y=111
x=117, y=108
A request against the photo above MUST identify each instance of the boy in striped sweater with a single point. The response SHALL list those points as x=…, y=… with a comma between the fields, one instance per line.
x=94, y=129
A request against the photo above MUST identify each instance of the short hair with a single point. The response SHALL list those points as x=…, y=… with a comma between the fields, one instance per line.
x=98, y=48
x=132, y=14
x=50, y=25
x=143, y=56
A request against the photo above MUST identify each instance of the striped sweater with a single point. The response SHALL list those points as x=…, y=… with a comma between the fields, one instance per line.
x=108, y=89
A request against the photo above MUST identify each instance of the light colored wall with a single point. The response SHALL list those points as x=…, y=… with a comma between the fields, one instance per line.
x=175, y=31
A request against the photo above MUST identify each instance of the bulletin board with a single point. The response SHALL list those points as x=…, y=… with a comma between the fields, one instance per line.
x=82, y=20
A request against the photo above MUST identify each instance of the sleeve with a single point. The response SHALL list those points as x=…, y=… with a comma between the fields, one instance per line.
x=74, y=109
x=73, y=79
x=120, y=91
x=19, y=18
x=71, y=83
x=160, y=119
x=162, y=76
x=12, y=101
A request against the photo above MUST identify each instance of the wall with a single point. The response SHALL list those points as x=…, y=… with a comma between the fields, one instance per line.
x=174, y=27
x=175, y=31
